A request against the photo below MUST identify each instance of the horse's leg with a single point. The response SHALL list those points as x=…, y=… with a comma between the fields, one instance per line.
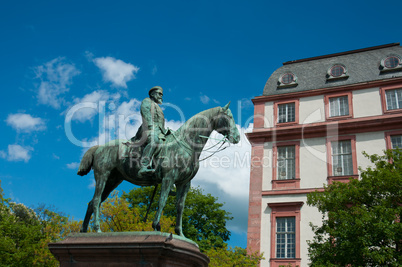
x=90, y=209
x=101, y=179
x=111, y=185
x=167, y=183
x=181, y=195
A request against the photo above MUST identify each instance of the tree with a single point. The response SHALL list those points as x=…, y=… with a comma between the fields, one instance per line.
x=116, y=215
x=361, y=219
x=25, y=234
x=204, y=220
x=228, y=257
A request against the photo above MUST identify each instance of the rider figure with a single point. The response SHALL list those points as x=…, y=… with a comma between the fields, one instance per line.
x=153, y=126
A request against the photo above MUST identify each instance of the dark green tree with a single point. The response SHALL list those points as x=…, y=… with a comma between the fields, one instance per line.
x=25, y=233
x=21, y=236
x=229, y=257
x=204, y=220
x=361, y=219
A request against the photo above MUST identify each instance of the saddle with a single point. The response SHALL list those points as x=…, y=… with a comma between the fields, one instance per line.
x=134, y=147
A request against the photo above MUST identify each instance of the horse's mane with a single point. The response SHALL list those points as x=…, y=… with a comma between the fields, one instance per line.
x=197, y=121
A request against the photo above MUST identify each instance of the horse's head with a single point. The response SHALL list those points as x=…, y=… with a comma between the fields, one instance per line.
x=225, y=125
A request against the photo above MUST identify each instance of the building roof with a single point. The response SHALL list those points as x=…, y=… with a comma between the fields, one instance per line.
x=362, y=65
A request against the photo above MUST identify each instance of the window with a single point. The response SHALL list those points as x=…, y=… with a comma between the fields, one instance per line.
x=393, y=139
x=337, y=71
x=286, y=171
x=341, y=158
x=391, y=63
x=286, y=163
x=285, y=233
x=394, y=99
x=338, y=106
x=286, y=112
x=391, y=99
x=287, y=80
x=285, y=237
x=396, y=141
x=342, y=162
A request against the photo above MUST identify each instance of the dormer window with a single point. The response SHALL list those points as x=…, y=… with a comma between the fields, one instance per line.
x=337, y=71
x=287, y=80
x=391, y=62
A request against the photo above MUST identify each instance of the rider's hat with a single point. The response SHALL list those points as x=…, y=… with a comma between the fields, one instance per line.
x=155, y=88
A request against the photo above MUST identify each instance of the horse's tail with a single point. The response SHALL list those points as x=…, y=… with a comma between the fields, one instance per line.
x=87, y=161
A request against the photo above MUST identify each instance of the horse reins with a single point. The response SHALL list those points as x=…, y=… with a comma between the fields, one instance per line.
x=223, y=140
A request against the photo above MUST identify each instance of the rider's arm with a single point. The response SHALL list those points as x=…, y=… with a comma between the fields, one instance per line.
x=146, y=113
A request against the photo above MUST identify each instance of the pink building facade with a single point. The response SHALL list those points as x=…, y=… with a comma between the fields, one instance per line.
x=313, y=121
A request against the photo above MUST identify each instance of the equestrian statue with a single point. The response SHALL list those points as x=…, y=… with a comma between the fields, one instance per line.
x=155, y=156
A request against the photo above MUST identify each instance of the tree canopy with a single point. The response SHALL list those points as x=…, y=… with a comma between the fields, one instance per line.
x=361, y=219
x=25, y=233
x=204, y=219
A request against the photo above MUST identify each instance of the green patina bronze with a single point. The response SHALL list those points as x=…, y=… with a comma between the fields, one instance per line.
x=155, y=156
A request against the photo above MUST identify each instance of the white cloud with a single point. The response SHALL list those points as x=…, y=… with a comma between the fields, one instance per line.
x=129, y=119
x=204, y=99
x=73, y=165
x=88, y=106
x=92, y=183
x=56, y=75
x=216, y=101
x=116, y=71
x=3, y=154
x=226, y=175
x=154, y=70
x=18, y=153
x=25, y=122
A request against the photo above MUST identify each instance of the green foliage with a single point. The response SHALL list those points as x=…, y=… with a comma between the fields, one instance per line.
x=25, y=234
x=228, y=257
x=204, y=220
x=116, y=215
x=361, y=219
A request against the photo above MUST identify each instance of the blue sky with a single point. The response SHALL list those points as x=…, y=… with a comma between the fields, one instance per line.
x=57, y=55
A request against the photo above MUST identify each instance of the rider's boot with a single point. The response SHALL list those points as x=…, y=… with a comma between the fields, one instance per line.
x=146, y=168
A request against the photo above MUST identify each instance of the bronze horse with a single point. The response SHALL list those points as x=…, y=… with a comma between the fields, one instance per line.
x=176, y=164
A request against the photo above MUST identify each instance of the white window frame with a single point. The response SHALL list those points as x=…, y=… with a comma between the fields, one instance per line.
x=288, y=112
x=398, y=139
x=393, y=95
x=339, y=106
x=286, y=240
x=286, y=162
x=343, y=156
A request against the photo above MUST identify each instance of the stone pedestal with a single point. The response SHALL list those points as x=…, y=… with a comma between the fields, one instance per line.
x=145, y=249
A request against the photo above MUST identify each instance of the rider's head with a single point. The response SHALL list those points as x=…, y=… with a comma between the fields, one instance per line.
x=156, y=94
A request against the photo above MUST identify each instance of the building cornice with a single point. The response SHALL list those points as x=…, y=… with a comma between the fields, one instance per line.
x=328, y=128
x=291, y=192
